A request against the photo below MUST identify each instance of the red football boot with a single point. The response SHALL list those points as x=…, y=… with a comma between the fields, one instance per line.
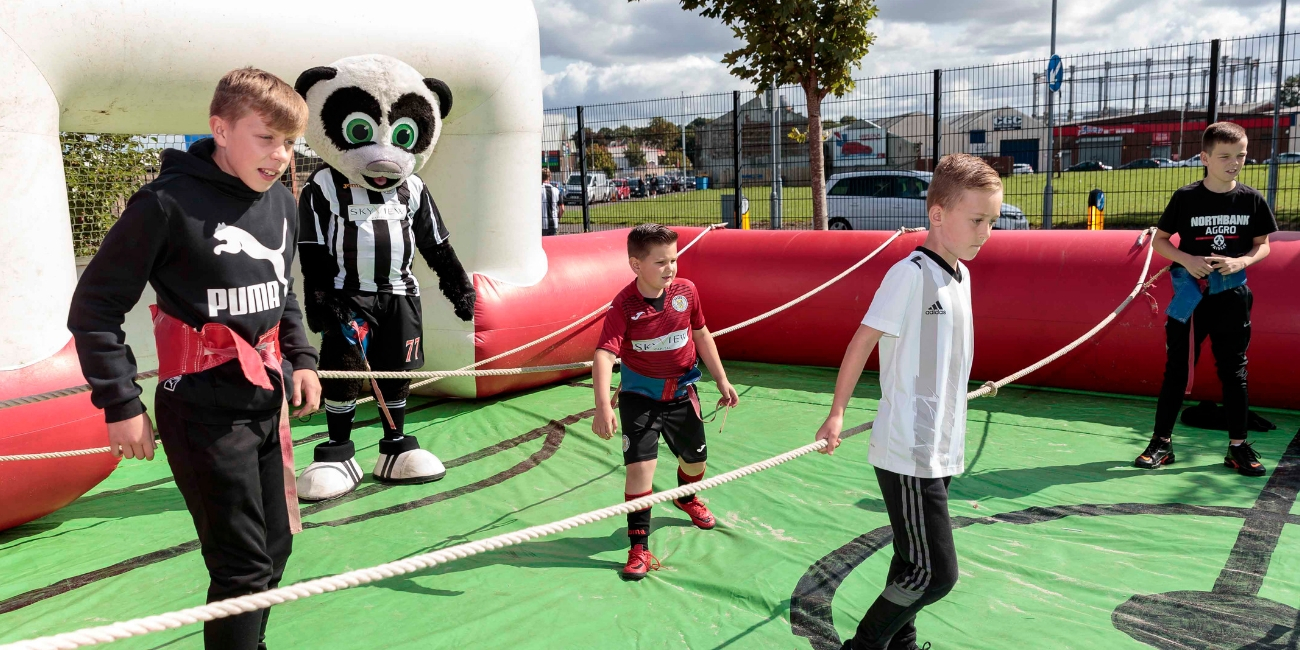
x=700, y=515
x=640, y=561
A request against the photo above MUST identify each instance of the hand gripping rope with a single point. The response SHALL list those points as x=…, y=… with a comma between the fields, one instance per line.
x=306, y=589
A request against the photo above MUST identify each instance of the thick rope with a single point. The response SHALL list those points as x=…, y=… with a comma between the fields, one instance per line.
x=768, y=314
x=62, y=392
x=991, y=388
x=266, y=599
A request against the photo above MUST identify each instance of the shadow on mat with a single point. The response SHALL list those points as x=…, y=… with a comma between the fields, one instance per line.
x=782, y=607
x=567, y=553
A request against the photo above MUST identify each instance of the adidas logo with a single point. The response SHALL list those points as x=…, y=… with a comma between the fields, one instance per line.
x=935, y=310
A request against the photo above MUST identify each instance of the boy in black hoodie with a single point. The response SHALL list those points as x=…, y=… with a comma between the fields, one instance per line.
x=212, y=235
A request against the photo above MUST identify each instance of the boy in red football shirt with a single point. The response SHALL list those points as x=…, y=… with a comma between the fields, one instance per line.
x=656, y=325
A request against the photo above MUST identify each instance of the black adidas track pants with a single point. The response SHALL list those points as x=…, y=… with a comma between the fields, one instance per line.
x=924, y=568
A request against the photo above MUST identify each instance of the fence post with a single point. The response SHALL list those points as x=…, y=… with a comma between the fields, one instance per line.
x=582, y=169
x=774, y=208
x=936, y=135
x=1277, y=109
x=1212, y=96
x=735, y=156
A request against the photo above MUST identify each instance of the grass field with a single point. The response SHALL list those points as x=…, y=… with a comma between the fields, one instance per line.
x=1134, y=198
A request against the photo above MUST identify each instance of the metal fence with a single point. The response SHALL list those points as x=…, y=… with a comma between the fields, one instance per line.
x=102, y=171
x=1126, y=122
x=678, y=160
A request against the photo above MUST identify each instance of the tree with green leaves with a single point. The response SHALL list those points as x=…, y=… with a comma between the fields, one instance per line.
x=1291, y=91
x=599, y=158
x=102, y=170
x=635, y=156
x=810, y=43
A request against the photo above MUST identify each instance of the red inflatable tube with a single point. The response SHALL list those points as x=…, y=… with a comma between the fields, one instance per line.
x=34, y=488
x=1033, y=292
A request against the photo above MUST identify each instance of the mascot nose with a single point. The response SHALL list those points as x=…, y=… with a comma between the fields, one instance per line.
x=384, y=167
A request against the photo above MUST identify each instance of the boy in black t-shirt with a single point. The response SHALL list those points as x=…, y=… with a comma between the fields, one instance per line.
x=1223, y=227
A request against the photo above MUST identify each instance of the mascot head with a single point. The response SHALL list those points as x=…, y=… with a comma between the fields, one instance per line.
x=373, y=118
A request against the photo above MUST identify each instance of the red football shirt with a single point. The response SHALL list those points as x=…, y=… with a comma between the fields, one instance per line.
x=652, y=342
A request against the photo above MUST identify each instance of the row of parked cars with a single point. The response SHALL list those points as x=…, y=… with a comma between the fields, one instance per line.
x=1155, y=163
x=601, y=188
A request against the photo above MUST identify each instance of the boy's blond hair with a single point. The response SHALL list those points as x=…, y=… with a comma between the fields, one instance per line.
x=957, y=173
x=1221, y=133
x=250, y=89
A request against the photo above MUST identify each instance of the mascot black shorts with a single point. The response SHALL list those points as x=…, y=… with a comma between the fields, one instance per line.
x=396, y=328
x=644, y=420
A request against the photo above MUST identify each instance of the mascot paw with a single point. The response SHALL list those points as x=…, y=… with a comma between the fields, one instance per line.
x=323, y=311
x=402, y=462
x=464, y=304
x=333, y=473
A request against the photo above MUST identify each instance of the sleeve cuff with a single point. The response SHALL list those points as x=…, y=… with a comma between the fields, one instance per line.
x=303, y=361
x=123, y=411
x=889, y=329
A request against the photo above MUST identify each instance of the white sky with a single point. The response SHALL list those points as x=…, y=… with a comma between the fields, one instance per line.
x=596, y=51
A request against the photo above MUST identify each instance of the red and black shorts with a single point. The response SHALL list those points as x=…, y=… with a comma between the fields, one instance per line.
x=644, y=419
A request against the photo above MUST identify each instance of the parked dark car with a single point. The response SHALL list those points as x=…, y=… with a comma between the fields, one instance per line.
x=638, y=188
x=1141, y=163
x=1089, y=166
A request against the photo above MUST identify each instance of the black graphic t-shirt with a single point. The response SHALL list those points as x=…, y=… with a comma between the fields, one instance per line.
x=1217, y=223
x=214, y=251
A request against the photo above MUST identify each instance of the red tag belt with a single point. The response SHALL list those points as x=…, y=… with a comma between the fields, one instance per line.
x=183, y=350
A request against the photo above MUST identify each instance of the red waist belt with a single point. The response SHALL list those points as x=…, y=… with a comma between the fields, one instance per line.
x=183, y=350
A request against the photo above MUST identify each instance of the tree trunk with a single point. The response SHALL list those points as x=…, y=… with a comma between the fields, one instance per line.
x=816, y=164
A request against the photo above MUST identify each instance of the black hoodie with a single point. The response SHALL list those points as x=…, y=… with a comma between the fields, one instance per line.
x=214, y=251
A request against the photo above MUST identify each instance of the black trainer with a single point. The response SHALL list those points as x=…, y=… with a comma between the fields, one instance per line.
x=1244, y=459
x=1158, y=452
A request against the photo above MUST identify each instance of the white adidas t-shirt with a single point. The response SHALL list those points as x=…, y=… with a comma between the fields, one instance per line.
x=923, y=307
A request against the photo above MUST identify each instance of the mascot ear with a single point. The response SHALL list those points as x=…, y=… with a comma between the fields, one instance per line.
x=440, y=89
x=309, y=78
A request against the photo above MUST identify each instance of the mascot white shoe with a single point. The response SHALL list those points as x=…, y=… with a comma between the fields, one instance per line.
x=364, y=215
x=401, y=461
x=331, y=478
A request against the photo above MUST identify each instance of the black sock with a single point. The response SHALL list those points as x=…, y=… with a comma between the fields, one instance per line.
x=685, y=479
x=638, y=523
x=398, y=412
x=338, y=420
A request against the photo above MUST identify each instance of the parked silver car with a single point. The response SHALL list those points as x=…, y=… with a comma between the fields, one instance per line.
x=886, y=200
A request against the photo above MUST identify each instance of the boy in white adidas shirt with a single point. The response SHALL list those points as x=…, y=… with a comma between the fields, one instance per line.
x=921, y=317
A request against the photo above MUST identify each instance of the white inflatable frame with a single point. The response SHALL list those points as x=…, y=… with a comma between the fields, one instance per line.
x=143, y=66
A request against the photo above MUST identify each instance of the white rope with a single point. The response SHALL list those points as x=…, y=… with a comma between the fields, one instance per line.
x=598, y=311
x=266, y=599
x=1142, y=285
x=898, y=233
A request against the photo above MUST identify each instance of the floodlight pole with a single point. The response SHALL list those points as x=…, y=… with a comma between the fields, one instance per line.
x=1051, y=151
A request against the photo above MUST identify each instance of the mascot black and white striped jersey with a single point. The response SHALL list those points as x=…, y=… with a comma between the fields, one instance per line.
x=371, y=236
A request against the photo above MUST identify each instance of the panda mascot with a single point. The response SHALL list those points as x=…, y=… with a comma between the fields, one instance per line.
x=374, y=121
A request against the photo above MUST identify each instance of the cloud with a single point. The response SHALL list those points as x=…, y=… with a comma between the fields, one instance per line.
x=596, y=51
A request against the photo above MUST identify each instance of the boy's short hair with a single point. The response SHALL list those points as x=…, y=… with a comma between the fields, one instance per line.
x=646, y=235
x=957, y=173
x=1221, y=133
x=250, y=89
x=546, y=174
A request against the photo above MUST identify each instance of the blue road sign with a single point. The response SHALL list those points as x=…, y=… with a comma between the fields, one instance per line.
x=1054, y=73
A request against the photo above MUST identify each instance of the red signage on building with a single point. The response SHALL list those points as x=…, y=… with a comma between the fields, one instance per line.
x=1160, y=137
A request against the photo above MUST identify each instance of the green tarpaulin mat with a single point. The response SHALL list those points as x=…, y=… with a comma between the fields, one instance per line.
x=1062, y=543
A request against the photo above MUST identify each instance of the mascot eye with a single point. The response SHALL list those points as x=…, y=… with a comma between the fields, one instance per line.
x=405, y=133
x=359, y=128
